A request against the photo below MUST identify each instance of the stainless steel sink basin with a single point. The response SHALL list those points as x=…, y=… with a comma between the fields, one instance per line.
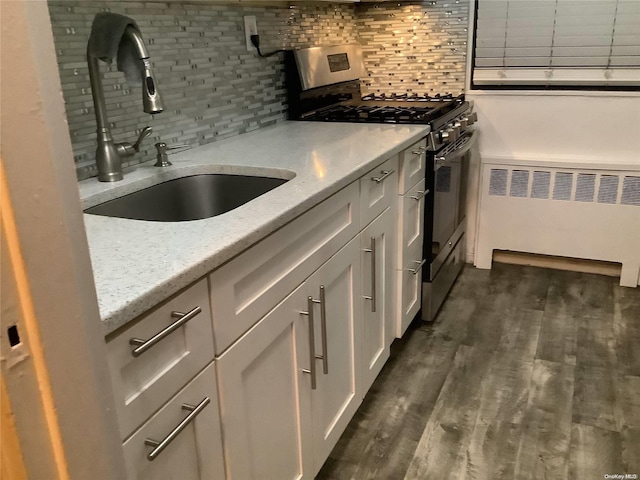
x=188, y=198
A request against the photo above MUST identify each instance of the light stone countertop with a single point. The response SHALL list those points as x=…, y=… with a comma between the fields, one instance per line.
x=137, y=264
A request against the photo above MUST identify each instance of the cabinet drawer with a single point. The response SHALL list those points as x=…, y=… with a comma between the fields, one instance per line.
x=411, y=224
x=249, y=286
x=143, y=383
x=378, y=190
x=409, y=294
x=195, y=453
x=412, y=166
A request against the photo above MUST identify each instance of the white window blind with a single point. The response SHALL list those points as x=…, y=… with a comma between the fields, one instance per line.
x=557, y=42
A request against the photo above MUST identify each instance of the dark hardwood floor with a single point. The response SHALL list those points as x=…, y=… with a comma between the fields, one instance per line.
x=527, y=373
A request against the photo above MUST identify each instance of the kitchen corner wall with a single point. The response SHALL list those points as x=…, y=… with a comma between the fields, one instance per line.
x=213, y=88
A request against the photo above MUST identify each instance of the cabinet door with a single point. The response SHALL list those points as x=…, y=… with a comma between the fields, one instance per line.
x=411, y=224
x=410, y=238
x=409, y=295
x=378, y=190
x=378, y=278
x=337, y=395
x=195, y=452
x=266, y=423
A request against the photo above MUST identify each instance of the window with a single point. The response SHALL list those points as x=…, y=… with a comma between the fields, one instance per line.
x=557, y=43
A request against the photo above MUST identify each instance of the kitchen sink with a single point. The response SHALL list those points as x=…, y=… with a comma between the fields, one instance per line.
x=188, y=198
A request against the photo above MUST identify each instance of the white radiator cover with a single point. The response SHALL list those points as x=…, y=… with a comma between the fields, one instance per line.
x=561, y=209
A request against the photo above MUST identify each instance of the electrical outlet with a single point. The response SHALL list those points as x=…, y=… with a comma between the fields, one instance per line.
x=250, y=28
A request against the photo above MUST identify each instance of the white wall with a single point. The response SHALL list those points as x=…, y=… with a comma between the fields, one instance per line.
x=590, y=127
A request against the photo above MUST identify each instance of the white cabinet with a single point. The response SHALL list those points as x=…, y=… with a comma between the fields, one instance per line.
x=266, y=425
x=300, y=325
x=276, y=422
x=409, y=253
x=247, y=287
x=145, y=376
x=338, y=340
x=412, y=166
x=170, y=431
x=182, y=441
x=378, y=190
x=377, y=243
x=410, y=261
x=409, y=295
x=411, y=225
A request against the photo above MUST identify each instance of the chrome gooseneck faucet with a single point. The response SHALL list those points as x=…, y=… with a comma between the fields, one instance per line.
x=109, y=154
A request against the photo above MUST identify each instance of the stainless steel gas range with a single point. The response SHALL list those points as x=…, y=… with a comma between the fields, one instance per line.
x=323, y=84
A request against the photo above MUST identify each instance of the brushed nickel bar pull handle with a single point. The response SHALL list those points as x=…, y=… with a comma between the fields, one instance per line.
x=420, y=151
x=385, y=174
x=420, y=195
x=144, y=345
x=373, y=274
x=323, y=329
x=372, y=251
x=159, y=446
x=419, y=267
x=323, y=325
x=312, y=344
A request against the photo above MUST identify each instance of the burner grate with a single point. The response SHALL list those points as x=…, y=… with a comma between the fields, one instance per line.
x=405, y=97
x=372, y=113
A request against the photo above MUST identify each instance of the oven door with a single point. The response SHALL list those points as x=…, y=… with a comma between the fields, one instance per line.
x=449, y=199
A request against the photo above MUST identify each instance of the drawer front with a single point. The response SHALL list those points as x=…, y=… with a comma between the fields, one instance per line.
x=409, y=295
x=143, y=383
x=411, y=224
x=249, y=286
x=195, y=453
x=378, y=190
x=412, y=167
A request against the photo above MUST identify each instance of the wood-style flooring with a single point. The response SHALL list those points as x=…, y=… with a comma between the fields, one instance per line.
x=527, y=373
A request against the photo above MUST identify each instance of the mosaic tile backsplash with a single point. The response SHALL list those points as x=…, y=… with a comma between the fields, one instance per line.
x=212, y=88
x=417, y=47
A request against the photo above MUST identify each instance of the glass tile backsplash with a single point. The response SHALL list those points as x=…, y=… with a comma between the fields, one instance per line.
x=213, y=88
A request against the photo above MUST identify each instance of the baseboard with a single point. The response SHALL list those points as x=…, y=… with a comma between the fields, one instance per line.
x=611, y=269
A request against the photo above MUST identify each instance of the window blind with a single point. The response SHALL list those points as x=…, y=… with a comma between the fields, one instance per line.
x=557, y=42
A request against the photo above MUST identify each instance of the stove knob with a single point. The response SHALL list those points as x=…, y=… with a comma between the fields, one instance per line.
x=464, y=122
x=456, y=131
x=473, y=118
x=450, y=135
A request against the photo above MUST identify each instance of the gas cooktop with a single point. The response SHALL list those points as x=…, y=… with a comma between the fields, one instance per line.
x=383, y=109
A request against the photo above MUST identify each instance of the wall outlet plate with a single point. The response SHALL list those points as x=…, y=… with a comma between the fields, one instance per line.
x=250, y=28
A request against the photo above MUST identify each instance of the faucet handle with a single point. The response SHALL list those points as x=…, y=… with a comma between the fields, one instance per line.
x=146, y=131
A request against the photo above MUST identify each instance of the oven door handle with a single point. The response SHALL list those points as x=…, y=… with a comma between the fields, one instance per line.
x=440, y=161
